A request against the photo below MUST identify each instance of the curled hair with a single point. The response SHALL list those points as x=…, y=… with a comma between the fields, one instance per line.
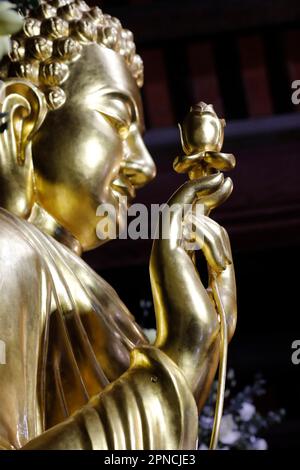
x=52, y=39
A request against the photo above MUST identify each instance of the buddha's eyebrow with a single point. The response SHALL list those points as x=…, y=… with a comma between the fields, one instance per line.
x=126, y=99
x=116, y=95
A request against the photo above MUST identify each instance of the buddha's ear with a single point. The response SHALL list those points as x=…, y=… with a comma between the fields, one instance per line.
x=25, y=109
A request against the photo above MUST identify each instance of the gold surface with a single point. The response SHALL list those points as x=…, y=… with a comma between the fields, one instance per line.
x=80, y=374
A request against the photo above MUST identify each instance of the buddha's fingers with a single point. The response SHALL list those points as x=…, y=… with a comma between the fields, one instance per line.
x=220, y=161
x=226, y=283
x=209, y=238
x=225, y=278
x=214, y=241
x=192, y=190
x=216, y=199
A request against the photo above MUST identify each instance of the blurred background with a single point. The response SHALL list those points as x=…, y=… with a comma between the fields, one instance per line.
x=242, y=56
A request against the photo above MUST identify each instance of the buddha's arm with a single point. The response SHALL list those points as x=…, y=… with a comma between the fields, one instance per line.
x=187, y=322
x=149, y=407
x=137, y=411
x=22, y=320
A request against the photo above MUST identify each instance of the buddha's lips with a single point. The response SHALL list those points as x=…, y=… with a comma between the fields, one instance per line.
x=123, y=186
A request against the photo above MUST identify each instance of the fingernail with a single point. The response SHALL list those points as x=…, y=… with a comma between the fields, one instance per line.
x=219, y=177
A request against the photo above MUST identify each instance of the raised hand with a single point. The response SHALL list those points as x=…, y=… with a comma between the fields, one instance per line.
x=187, y=316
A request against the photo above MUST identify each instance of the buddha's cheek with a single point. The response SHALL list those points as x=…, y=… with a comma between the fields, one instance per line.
x=74, y=166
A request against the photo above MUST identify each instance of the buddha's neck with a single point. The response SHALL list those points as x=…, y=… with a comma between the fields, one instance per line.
x=45, y=222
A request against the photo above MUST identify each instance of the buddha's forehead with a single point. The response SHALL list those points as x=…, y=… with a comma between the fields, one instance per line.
x=101, y=70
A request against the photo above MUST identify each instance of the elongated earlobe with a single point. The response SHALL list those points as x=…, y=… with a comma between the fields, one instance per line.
x=26, y=108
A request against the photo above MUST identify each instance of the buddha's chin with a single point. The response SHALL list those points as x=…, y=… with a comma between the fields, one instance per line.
x=109, y=227
x=123, y=202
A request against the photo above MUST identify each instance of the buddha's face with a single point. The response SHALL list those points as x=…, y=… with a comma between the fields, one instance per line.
x=91, y=151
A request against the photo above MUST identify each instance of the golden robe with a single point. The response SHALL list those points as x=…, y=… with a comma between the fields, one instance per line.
x=76, y=361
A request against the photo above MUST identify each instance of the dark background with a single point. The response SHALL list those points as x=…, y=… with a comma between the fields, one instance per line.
x=241, y=56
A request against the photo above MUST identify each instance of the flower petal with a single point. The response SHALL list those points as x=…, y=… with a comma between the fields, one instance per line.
x=228, y=430
x=4, y=46
x=247, y=411
x=10, y=22
x=150, y=334
x=260, y=444
x=6, y=6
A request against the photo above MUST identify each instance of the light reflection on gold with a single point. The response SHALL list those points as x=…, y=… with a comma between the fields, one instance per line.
x=80, y=373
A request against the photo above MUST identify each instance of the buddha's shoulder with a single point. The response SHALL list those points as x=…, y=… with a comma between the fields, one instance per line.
x=22, y=245
x=19, y=240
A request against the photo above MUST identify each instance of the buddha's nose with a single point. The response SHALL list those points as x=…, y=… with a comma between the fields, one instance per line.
x=138, y=166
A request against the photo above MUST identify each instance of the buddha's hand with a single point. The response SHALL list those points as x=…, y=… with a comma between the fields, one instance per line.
x=187, y=319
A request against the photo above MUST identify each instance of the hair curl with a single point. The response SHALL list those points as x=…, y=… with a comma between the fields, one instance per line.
x=52, y=39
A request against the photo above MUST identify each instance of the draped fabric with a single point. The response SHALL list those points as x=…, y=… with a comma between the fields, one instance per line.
x=77, y=363
x=150, y=407
x=67, y=334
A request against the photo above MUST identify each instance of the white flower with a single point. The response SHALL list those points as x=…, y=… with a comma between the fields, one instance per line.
x=4, y=46
x=228, y=430
x=151, y=334
x=203, y=447
x=206, y=422
x=10, y=23
x=260, y=444
x=247, y=411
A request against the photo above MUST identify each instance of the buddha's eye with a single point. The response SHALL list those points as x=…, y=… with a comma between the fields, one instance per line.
x=120, y=126
x=118, y=113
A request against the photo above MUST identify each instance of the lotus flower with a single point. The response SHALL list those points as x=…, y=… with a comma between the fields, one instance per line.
x=10, y=22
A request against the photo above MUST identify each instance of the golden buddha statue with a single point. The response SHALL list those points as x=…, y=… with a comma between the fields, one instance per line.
x=79, y=372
